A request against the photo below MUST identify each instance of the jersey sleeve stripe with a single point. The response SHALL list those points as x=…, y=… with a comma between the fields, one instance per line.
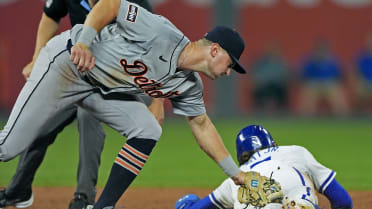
x=327, y=182
x=215, y=201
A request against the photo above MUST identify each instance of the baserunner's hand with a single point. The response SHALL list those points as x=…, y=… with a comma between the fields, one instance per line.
x=82, y=57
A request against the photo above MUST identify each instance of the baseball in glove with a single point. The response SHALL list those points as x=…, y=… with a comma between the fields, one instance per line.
x=259, y=190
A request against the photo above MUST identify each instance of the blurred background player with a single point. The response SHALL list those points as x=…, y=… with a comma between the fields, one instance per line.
x=294, y=167
x=19, y=191
x=322, y=82
x=364, y=77
x=271, y=77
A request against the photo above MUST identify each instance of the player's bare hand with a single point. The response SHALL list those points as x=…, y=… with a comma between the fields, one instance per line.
x=27, y=70
x=157, y=109
x=239, y=178
x=82, y=57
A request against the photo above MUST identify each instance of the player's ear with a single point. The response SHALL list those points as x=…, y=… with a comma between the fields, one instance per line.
x=215, y=48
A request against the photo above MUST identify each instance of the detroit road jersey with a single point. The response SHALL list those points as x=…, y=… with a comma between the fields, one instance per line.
x=294, y=167
x=138, y=54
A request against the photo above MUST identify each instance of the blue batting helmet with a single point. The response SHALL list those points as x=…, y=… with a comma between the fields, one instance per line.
x=250, y=139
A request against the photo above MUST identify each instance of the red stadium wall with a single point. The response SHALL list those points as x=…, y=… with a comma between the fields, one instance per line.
x=18, y=26
x=295, y=28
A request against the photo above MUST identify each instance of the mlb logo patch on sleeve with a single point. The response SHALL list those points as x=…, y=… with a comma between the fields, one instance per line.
x=132, y=13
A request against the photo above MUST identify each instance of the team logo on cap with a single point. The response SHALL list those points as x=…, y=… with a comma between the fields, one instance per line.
x=132, y=13
x=48, y=3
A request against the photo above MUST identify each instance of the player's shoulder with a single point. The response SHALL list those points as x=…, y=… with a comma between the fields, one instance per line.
x=167, y=27
x=293, y=148
x=290, y=152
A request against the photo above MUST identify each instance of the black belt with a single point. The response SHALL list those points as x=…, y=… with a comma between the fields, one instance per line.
x=69, y=45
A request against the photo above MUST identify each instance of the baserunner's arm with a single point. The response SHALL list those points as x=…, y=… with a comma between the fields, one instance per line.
x=101, y=15
x=211, y=143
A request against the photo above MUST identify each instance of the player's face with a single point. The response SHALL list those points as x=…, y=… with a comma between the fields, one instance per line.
x=221, y=64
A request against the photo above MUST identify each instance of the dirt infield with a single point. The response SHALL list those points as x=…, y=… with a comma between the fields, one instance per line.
x=157, y=198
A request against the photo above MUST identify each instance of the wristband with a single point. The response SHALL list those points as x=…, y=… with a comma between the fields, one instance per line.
x=229, y=166
x=87, y=35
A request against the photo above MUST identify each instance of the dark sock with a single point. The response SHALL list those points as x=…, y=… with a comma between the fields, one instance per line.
x=129, y=162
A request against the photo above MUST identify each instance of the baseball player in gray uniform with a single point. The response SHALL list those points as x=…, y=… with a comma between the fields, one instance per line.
x=91, y=135
x=141, y=53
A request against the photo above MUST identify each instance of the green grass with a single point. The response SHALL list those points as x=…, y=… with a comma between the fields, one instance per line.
x=177, y=161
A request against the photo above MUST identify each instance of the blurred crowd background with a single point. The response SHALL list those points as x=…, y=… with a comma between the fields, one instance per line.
x=304, y=57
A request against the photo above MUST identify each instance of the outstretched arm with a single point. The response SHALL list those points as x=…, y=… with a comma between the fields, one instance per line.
x=338, y=196
x=211, y=143
x=46, y=30
x=102, y=14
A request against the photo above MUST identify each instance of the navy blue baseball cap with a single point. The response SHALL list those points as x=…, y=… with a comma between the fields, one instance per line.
x=231, y=41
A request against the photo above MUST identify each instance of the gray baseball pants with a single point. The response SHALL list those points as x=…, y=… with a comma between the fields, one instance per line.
x=54, y=89
x=91, y=143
